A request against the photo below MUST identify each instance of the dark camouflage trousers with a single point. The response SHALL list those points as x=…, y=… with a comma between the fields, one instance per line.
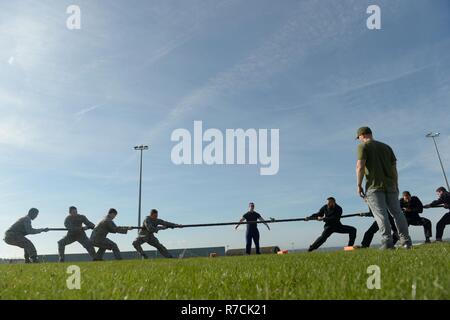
x=106, y=244
x=79, y=237
x=21, y=241
x=154, y=242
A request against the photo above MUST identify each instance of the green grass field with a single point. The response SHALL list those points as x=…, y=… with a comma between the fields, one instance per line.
x=421, y=273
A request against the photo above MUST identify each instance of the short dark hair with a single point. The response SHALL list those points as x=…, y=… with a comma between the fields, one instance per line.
x=331, y=198
x=251, y=204
x=112, y=210
x=33, y=212
x=72, y=208
x=406, y=193
x=441, y=189
x=153, y=211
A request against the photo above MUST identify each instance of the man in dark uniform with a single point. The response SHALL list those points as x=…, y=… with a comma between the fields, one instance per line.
x=443, y=199
x=15, y=235
x=76, y=232
x=412, y=207
x=101, y=230
x=368, y=235
x=150, y=226
x=252, y=228
x=331, y=214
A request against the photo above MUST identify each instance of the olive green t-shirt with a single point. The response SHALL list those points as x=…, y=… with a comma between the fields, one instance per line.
x=380, y=160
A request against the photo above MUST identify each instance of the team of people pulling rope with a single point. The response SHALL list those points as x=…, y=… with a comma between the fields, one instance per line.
x=376, y=162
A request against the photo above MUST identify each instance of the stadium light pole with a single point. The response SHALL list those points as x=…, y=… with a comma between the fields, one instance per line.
x=434, y=135
x=140, y=148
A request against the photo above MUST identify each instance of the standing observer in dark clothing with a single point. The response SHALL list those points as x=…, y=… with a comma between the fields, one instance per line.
x=76, y=233
x=368, y=235
x=252, y=228
x=444, y=199
x=412, y=207
x=331, y=214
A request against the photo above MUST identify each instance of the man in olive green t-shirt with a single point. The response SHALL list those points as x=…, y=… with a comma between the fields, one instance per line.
x=378, y=164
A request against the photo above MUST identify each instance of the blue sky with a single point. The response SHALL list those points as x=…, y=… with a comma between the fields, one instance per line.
x=73, y=103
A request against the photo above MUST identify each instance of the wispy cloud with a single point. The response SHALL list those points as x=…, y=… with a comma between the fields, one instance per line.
x=80, y=114
x=283, y=47
x=170, y=46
